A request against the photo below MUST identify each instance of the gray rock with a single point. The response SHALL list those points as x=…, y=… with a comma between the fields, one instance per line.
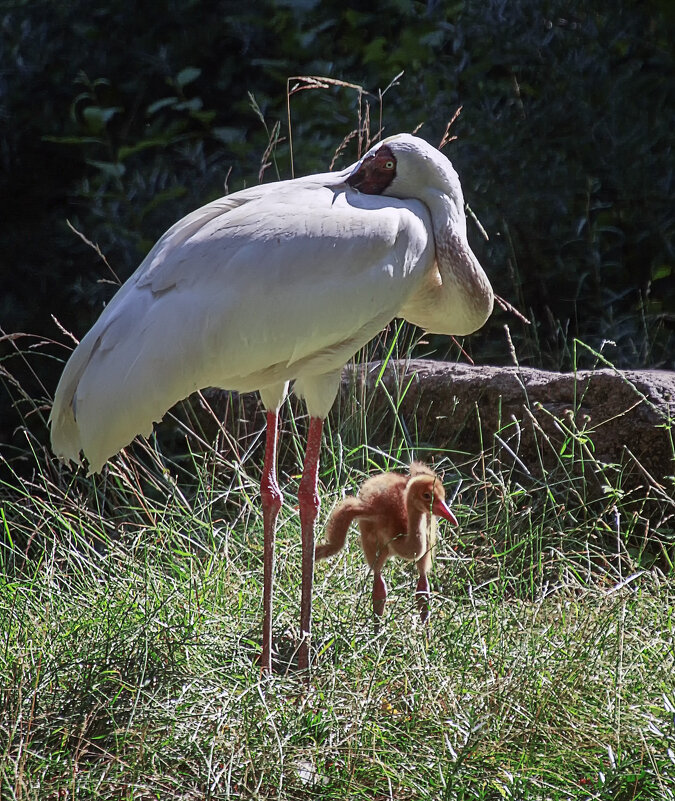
x=533, y=417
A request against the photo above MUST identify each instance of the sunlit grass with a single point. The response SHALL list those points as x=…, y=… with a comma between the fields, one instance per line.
x=130, y=617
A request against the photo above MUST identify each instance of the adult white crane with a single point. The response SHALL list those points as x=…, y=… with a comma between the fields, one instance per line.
x=277, y=282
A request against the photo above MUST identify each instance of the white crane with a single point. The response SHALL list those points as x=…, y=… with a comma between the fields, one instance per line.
x=279, y=282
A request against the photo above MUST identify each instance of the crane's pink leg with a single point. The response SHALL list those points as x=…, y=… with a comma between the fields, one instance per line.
x=376, y=558
x=308, y=501
x=379, y=594
x=423, y=595
x=271, y=503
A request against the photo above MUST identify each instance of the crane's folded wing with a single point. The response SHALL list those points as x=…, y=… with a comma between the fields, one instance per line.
x=273, y=283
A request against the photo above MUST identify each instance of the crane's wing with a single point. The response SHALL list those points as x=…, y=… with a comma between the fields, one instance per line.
x=277, y=282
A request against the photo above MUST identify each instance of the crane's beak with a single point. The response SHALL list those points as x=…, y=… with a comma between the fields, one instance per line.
x=441, y=509
x=359, y=177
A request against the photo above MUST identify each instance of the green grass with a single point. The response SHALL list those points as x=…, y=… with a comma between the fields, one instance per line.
x=130, y=621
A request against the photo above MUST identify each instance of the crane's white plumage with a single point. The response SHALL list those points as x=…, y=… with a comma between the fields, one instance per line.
x=279, y=282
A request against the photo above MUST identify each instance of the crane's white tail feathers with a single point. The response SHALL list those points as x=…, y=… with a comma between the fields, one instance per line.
x=65, y=433
x=338, y=526
x=100, y=426
x=65, y=437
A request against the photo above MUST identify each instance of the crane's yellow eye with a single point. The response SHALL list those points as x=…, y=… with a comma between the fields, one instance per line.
x=389, y=165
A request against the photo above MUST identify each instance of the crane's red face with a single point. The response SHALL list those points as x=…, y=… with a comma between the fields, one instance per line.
x=430, y=494
x=375, y=172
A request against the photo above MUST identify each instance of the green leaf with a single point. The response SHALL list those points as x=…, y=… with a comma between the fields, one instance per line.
x=97, y=117
x=163, y=197
x=189, y=105
x=660, y=271
x=205, y=117
x=164, y=102
x=112, y=168
x=73, y=140
x=187, y=75
x=227, y=135
x=157, y=141
x=375, y=51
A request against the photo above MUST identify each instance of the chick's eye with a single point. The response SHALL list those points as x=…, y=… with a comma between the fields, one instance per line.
x=427, y=496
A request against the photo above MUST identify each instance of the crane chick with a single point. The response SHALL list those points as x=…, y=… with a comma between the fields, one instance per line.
x=396, y=515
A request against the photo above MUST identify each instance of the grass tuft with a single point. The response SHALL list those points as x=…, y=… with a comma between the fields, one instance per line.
x=130, y=616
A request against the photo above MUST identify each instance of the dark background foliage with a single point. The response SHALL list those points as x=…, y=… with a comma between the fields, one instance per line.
x=121, y=118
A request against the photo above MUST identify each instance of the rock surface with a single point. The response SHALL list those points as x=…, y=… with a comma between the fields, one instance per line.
x=533, y=418
x=620, y=417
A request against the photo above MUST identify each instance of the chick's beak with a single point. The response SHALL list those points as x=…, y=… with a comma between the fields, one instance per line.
x=441, y=509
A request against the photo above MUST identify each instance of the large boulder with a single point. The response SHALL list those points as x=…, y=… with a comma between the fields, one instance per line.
x=597, y=445
x=533, y=418
x=536, y=420
x=529, y=416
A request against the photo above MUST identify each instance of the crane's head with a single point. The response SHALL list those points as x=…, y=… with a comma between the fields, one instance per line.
x=409, y=169
x=405, y=166
x=426, y=493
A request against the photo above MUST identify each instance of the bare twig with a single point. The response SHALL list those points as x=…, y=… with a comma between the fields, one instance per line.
x=381, y=93
x=343, y=144
x=65, y=331
x=471, y=214
x=464, y=353
x=274, y=140
x=304, y=82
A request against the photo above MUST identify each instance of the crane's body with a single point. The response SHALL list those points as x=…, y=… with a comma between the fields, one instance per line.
x=280, y=282
x=216, y=303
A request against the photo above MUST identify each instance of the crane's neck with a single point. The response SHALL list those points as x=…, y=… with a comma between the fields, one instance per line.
x=420, y=525
x=456, y=296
